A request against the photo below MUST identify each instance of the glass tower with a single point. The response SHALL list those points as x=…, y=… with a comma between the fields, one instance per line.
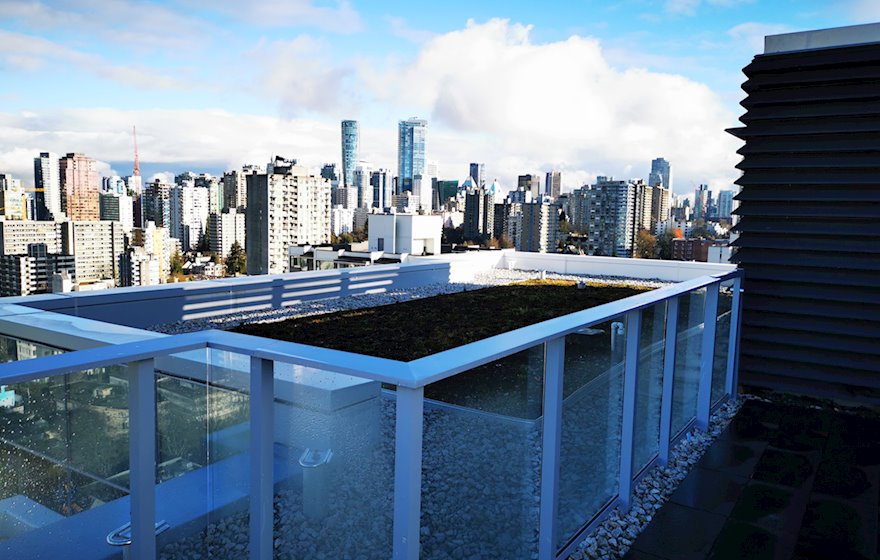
x=661, y=173
x=410, y=152
x=350, y=141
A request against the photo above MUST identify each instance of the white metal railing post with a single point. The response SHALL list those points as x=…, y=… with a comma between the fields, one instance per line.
x=707, y=356
x=668, y=379
x=262, y=399
x=554, y=372
x=408, y=472
x=630, y=386
x=731, y=380
x=142, y=458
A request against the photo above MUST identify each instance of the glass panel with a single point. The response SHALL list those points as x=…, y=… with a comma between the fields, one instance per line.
x=591, y=424
x=63, y=460
x=688, y=352
x=14, y=350
x=482, y=459
x=203, y=461
x=650, y=385
x=722, y=340
x=334, y=490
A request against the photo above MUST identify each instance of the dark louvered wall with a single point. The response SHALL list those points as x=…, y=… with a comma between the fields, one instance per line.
x=810, y=222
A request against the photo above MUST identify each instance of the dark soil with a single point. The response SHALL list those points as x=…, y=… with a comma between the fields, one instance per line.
x=414, y=329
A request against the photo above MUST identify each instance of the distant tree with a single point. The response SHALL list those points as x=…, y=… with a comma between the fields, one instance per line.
x=665, y=245
x=494, y=243
x=453, y=235
x=204, y=245
x=505, y=242
x=677, y=233
x=176, y=263
x=236, y=261
x=342, y=239
x=646, y=245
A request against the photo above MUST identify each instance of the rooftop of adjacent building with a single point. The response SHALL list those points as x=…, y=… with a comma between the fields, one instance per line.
x=822, y=38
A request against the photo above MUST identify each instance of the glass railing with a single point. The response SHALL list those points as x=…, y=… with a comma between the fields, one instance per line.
x=220, y=445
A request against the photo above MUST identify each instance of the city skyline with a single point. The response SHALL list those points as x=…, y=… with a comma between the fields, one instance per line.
x=82, y=74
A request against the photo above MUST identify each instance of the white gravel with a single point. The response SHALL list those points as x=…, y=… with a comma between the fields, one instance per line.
x=494, y=277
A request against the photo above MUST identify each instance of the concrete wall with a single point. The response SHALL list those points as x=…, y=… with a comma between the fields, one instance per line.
x=644, y=269
x=147, y=306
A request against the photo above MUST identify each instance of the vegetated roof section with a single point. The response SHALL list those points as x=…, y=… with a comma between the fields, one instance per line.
x=414, y=329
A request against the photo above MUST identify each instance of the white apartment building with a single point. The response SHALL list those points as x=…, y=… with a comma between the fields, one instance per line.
x=96, y=248
x=15, y=236
x=284, y=208
x=224, y=229
x=342, y=219
x=118, y=208
x=190, y=206
x=539, y=231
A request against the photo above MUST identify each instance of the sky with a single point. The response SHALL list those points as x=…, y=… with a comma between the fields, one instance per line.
x=587, y=87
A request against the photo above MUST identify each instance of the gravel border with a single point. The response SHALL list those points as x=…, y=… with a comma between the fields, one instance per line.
x=614, y=536
x=494, y=277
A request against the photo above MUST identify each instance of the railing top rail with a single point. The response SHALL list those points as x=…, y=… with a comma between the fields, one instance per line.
x=417, y=373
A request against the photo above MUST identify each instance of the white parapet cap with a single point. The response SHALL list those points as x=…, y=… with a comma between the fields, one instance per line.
x=822, y=38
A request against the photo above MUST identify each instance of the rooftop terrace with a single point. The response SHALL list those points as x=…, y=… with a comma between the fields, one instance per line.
x=279, y=448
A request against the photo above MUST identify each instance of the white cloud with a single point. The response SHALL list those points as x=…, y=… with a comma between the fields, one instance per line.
x=338, y=16
x=751, y=34
x=30, y=53
x=526, y=106
x=866, y=11
x=684, y=7
x=400, y=28
x=516, y=105
x=689, y=7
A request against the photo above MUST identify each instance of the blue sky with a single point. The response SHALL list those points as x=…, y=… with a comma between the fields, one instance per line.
x=593, y=88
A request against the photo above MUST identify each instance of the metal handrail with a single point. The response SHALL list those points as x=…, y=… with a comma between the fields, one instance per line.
x=414, y=374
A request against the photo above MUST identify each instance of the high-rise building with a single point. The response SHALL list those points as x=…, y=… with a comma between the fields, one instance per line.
x=47, y=186
x=702, y=197
x=96, y=247
x=410, y=152
x=157, y=244
x=660, y=205
x=235, y=189
x=539, y=228
x=725, y=205
x=15, y=236
x=530, y=182
x=382, y=184
x=189, y=209
x=14, y=202
x=579, y=209
x=224, y=229
x=350, y=151
x=80, y=187
x=286, y=207
x=479, y=215
x=612, y=224
x=478, y=174
x=661, y=174
x=361, y=185
x=118, y=207
x=157, y=203
x=553, y=184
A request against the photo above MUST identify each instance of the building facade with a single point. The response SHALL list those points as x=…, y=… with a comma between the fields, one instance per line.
x=411, y=135
x=539, y=225
x=224, y=229
x=285, y=208
x=47, y=186
x=80, y=187
x=351, y=139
